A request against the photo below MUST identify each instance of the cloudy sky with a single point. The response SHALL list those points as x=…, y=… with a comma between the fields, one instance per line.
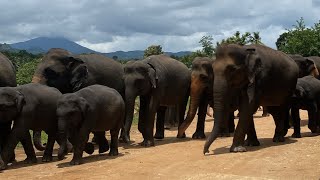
x=111, y=25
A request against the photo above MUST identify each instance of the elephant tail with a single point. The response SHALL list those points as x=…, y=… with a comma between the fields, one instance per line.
x=37, y=141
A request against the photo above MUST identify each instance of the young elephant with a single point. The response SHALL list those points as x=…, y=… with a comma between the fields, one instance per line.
x=31, y=106
x=307, y=97
x=94, y=108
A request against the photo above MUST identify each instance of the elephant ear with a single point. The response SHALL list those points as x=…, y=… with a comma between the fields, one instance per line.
x=79, y=76
x=254, y=66
x=311, y=67
x=20, y=102
x=153, y=77
x=84, y=106
x=72, y=62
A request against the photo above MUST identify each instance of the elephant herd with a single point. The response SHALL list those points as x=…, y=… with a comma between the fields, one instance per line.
x=72, y=96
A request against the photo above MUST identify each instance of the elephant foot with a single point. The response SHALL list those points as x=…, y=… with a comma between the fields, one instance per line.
x=69, y=148
x=253, y=142
x=265, y=114
x=198, y=135
x=3, y=165
x=278, y=139
x=313, y=130
x=159, y=135
x=75, y=162
x=103, y=146
x=181, y=136
x=124, y=139
x=296, y=135
x=30, y=160
x=47, y=158
x=89, y=148
x=147, y=143
x=113, y=152
x=237, y=149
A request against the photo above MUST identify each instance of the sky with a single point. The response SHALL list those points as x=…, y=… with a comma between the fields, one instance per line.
x=176, y=25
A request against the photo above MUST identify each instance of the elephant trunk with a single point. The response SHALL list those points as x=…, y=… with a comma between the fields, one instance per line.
x=196, y=92
x=220, y=112
x=62, y=136
x=129, y=103
x=37, y=141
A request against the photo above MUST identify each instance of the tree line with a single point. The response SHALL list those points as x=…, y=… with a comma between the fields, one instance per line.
x=300, y=39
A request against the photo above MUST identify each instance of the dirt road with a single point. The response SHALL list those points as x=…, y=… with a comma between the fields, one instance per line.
x=173, y=158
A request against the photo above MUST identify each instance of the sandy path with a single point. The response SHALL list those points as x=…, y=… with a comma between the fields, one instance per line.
x=172, y=158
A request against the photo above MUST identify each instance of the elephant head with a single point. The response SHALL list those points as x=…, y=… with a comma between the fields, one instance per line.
x=62, y=70
x=306, y=66
x=201, y=82
x=235, y=70
x=71, y=112
x=140, y=79
x=11, y=104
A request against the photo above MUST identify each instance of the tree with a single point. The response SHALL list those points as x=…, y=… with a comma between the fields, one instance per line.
x=246, y=38
x=26, y=71
x=300, y=39
x=207, y=46
x=153, y=50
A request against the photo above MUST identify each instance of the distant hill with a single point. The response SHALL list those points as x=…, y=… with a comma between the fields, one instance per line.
x=7, y=47
x=43, y=44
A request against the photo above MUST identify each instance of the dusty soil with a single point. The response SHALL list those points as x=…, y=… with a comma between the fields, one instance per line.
x=173, y=158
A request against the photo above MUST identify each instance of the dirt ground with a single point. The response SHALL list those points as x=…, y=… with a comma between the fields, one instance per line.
x=173, y=158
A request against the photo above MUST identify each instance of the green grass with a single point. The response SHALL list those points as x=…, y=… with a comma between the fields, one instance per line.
x=44, y=138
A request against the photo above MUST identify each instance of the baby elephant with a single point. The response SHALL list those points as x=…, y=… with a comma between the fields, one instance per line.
x=30, y=106
x=307, y=97
x=95, y=109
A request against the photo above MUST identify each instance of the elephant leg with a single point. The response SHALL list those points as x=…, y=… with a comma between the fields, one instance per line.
x=143, y=113
x=101, y=141
x=94, y=139
x=265, y=112
x=252, y=139
x=231, y=122
x=5, y=130
x=296, y=122
x=114, y=142
x=28, y=148
x=149, y=124
x=278, y=113
x=160, y=122
x=79, y=146
x=47, y=155
x=199, y=133
x=312, y=123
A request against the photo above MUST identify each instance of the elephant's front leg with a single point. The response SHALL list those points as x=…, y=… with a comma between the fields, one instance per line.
x=28, y=148
x=279, y=116
x=160, y=122
x=47, y=155
x=296, y=122
x=114, y=142
x=199, y=133
x=149, y=124
x=252, y=139
x=79, y=146
x=143, y=113
x=312, y=114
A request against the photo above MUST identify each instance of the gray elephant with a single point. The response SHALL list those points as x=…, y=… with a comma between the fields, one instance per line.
x=307, y=65
x=30, y=107
x=307, y=97
x=201, y=91
x=260, y=76
x=160, y=81
x=7, y=78
x=69, y=73
x=94, y=108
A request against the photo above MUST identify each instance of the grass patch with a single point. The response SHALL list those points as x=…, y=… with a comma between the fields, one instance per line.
x=44, y=138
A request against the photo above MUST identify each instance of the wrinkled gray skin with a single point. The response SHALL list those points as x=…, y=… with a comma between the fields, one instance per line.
x=307, y=97
x=69, y=73
x=160, y=81
x=30, y=107
x=307, y=65
x=94, y=108
x=7, y=78
x=201, y=95
x=260, y=76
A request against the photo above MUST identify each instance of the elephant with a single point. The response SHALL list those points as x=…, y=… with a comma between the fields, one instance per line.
x=69, y=73
x=307, y=97
x=31, y=107
x=160, y=81
x=260, y=76
x=307, y=65
x=7, y=79
x=200, y=96
x=95, y=108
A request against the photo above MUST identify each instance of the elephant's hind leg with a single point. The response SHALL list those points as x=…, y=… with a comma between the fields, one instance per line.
x=114, y=142
x=160, y=122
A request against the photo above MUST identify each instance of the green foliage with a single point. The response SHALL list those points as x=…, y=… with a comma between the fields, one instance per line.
x=301, y=39
x=153, y=50
x=207, y=46
x=246, y=38
x=26, y=71
x=187, y=59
